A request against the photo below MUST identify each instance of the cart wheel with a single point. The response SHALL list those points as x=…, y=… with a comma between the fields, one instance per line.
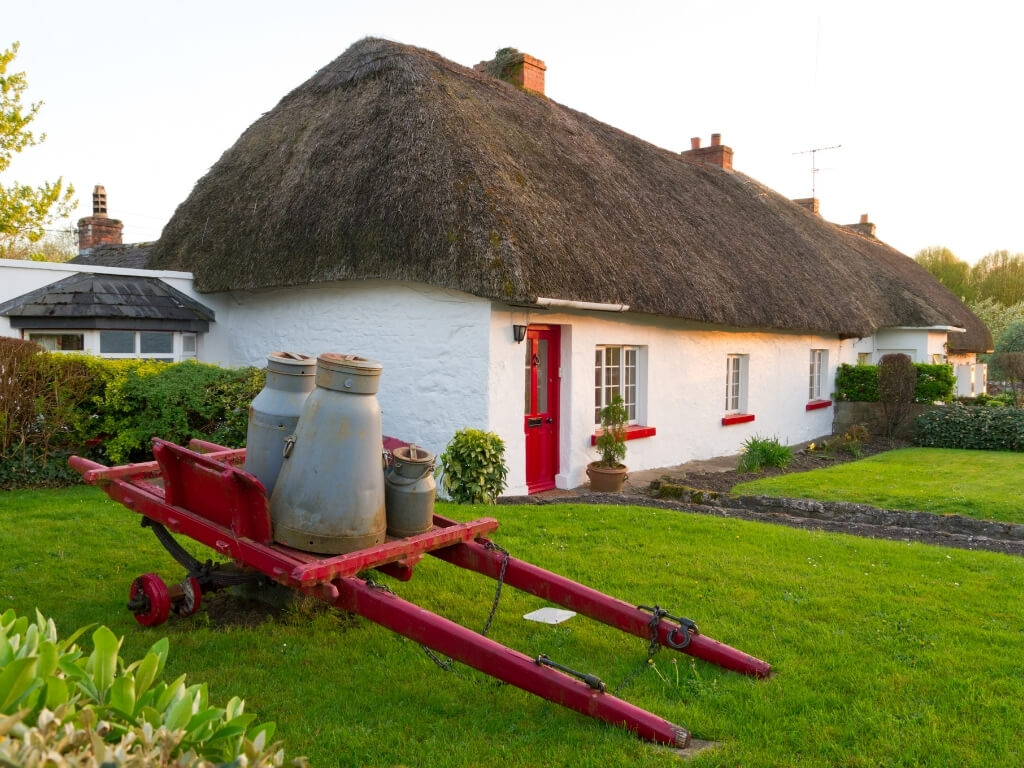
x=191, y=597
x=149, y=600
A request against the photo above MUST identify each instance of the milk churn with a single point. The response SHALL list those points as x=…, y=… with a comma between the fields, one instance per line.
x=329, y=496
x=409, y=491
x=275, y=412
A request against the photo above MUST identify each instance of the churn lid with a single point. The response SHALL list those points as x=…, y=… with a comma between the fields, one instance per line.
x=291, y=363
x=347, y=373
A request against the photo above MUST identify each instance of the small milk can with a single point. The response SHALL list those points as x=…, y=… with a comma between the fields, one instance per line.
x=409, y=491
x=275, y=412
x=329, y=496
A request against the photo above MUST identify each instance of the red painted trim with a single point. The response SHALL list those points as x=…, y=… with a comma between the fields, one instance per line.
x=816, y=404
x=634, y=432
x=737, y=418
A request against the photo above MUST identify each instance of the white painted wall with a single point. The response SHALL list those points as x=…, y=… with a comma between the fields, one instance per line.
x=433, y=344
x=684, y=382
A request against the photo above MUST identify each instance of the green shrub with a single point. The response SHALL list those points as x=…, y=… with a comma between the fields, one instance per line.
x=61, y=707
x=473, y=467
x=762, y=453
x=53, y=405
x=176, y=402
x=936, y=383
x=849, y=441
x=611, y=443
x=960, y=426
x=859, y=383
x=989, y=401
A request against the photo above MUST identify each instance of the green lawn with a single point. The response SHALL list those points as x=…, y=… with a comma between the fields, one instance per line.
x=980, y=484
x=886, y=653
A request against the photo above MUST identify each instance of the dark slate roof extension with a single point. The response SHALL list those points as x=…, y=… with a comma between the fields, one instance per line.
x=89, y=300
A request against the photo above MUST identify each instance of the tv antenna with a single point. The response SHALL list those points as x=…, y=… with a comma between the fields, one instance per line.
x=814, y=166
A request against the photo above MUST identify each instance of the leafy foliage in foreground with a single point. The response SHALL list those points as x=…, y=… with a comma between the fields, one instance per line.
x=55, y=700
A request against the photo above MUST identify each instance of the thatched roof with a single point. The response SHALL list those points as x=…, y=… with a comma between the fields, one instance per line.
x=395, y=163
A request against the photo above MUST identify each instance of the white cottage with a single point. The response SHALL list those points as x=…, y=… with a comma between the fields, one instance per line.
x=514, y=263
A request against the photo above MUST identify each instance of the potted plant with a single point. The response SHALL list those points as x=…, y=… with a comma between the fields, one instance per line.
x=608, y=473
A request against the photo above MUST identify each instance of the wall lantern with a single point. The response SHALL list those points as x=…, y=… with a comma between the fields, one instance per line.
x=519, y=333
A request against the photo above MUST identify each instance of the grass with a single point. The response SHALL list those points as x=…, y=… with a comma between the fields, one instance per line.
x=979, y=484
x=887, y=654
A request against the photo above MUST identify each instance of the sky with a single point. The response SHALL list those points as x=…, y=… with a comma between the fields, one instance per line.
x=916, y=106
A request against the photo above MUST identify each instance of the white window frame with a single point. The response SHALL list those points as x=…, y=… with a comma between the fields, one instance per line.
x=625, y=378
x=737, y=369
x=91, y=339
x=817, y=374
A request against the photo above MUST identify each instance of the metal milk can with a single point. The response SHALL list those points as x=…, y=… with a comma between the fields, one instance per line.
x=409, y=491
x=329, y=496
x=274, y=412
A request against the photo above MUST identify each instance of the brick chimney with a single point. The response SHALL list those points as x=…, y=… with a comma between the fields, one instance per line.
x=863, y=227
x=520, y=69
x=810, y=203
x=717, y=154
x=98, y=229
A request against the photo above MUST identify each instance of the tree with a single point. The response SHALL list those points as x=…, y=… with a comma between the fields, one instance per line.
x=25, y=211
x=947, y=269
x=897, y=379
x=1000, y=275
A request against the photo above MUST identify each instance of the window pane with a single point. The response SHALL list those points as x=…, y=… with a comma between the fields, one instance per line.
x=529, y=378
x=542, y=376
x=156, y=343
x=188, y=343
x=117, y=342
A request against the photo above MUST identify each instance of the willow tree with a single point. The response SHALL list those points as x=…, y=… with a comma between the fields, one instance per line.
x=25, y=211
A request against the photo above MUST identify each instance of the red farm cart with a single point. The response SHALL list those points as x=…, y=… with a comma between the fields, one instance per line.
x=202, y=493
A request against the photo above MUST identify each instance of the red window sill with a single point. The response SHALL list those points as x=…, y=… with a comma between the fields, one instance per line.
x=634, y=432
x=737, y=418
x=816, y=404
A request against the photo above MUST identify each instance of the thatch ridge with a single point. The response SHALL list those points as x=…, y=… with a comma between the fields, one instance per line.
x=394, y=163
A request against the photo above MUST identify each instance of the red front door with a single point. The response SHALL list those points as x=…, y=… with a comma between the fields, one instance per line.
x=541, y=417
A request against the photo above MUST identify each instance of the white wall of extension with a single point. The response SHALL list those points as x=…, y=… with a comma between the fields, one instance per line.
x=682, y=383
x=432, y=343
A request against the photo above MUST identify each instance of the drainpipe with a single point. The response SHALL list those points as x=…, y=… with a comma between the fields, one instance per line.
x=592, y=305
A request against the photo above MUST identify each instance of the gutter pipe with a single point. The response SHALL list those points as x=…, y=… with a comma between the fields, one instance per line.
x=591, y=305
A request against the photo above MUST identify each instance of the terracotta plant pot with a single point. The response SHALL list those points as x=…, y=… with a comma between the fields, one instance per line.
x=606, y=479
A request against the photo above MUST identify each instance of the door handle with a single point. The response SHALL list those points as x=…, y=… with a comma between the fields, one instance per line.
x=549, y=420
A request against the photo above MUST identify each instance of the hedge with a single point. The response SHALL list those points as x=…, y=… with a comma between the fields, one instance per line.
x=935, y=383
x=53, y=405
x=963, y=426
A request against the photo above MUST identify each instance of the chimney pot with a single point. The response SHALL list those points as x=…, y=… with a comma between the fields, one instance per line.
x=99, y=201
x=864, y=218
x=518, y=68
x=716, y=139
x=98, y=229
x=695, y=142
x=810, y=203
